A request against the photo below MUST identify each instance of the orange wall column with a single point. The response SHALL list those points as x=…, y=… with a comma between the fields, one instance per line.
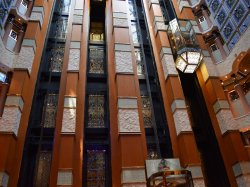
x=14, y=121
x=66, y=168
x=10, y=123
x=226, y=129
x=179, y=122
x=131, y=135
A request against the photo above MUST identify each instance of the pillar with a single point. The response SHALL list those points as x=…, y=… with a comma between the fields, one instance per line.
x=221, y=48
x=246, y=107
x=131, y=135
x=179, y=123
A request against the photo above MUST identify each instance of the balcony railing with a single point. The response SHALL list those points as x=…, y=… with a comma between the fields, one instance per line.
x=171, y=178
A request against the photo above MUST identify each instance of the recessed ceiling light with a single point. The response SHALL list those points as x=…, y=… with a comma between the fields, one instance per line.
x=245, y=70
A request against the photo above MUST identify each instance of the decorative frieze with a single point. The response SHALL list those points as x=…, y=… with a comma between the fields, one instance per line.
x=15, y=101
x=74, y=60
x=243, y=121
x=242, y=173
x=168, y=63
x=243, y=181
x=226, y=120
x=123, y=61
x=25, y=58
x=181, y=120
x=128, y=121
x=65, y=177
x=4, y=179
x=133, y=175
x=69, y=120
x=10, y=120
x=69, y=115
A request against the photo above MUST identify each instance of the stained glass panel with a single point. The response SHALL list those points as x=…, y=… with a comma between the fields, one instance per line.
x=96, y=60
x=50, y=106
x=96, y=168
x=43, y=169
x=146, y=112
x=96, y=111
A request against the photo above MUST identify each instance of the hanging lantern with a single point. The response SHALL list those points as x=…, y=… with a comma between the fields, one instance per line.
x=184, y=45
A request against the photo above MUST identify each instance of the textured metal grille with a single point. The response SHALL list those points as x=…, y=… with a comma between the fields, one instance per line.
x=146, y=111
x=139, y=63
x=50, y=106
x=59, y=28
x=56, y=59
x=96, y=168
x=96, y=111
x=96, y=60
x=43, y=169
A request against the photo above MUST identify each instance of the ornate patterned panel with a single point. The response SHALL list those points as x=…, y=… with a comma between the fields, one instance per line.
x=146, y=112
x=239, y=12
x=56, y=59
x=229, y=4
x=228, y=30
x=96, y=60
x=43, y=169
x=96, y=111
x=96, y=168
x=3, y=13
x=221, y=17
x=49, y=114
x=215, y=6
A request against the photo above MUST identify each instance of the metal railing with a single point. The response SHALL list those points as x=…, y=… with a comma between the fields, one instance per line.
x=171, y=178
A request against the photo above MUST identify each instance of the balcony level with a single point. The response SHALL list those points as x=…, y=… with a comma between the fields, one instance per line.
x=22, y=8
x=195, y=4
x=204, y=20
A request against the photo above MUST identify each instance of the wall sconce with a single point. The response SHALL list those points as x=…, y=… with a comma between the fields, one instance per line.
x=184, y=45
